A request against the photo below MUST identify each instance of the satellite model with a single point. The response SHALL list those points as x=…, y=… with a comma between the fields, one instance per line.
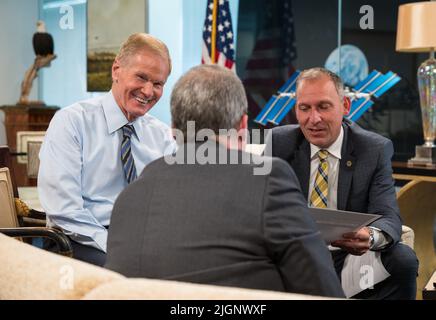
x=374, y=85
x=44, y=51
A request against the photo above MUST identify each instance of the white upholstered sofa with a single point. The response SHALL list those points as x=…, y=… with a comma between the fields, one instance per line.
x=27, y=272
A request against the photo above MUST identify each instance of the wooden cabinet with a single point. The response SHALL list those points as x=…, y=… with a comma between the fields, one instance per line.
x=25, y=118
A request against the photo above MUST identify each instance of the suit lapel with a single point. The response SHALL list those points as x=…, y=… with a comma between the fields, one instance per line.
x=346, y=168
x=301, y=166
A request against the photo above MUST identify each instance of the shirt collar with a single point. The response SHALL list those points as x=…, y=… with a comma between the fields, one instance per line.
x=115, y=118
x=334, y=149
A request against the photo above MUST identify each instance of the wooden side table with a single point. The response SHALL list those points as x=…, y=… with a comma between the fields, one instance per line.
x=402, y=171
x=25, y=118
x=429, y=292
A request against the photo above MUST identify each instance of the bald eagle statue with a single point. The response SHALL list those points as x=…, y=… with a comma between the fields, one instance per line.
x=43, y=47
x=42, y=41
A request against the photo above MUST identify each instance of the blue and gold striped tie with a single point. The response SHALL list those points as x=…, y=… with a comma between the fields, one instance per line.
x=126, y=154
x=319, y=195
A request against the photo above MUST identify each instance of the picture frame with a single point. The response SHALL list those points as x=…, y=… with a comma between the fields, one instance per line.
x=105, y=36
x=23, y=138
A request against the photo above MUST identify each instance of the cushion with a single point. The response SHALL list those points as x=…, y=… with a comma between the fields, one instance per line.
x=151, y=289
x=27, y=272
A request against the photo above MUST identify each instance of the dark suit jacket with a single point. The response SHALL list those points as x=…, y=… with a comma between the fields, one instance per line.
x=220, y=224
x=365, y=182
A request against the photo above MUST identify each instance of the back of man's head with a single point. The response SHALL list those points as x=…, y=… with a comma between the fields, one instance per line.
x=211, y=96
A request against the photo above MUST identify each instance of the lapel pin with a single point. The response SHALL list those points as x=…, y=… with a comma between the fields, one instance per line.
x=349, y=163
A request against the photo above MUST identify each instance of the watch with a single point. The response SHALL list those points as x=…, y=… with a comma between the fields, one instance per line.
x=371, y=237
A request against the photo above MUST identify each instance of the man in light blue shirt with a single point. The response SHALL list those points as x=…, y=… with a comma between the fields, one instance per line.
x=94, y=148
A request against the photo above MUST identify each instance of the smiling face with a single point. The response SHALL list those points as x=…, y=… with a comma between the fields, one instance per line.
x=138, y=82
x=320, y=110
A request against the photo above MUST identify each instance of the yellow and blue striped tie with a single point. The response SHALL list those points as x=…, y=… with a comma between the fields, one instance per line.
x=126, y=154
x=319, y=195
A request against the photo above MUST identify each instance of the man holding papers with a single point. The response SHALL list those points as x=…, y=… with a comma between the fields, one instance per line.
x=341, y=166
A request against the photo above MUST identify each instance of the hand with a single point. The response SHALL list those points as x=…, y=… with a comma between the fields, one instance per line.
x=355, y=243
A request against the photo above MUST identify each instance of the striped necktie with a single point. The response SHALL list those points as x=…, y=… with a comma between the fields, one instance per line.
x=318, y=198
x=126, y=154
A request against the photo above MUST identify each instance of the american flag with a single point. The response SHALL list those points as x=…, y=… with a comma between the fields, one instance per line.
x=218, y=46
x=271, y=61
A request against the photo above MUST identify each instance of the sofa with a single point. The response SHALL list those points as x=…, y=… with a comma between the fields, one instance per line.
x=30, y=273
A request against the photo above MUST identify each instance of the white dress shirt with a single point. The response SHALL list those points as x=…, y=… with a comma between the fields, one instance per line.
x=81, y=172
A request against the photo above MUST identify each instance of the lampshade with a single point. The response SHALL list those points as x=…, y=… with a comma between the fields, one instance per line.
x=416, y=29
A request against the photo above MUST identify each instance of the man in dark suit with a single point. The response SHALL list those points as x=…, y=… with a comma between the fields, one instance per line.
x=203, y=216
x=341, y=166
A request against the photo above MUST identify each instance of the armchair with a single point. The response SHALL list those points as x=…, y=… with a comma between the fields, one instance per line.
x=9, y=224
x=417, y=202
x=26, y=215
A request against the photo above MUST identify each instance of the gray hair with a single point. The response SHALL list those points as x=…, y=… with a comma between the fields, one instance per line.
x=143, y=41
x=316, y=73
x=210, y=95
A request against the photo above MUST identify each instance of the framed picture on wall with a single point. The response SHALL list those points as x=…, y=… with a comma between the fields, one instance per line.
x=109, y=23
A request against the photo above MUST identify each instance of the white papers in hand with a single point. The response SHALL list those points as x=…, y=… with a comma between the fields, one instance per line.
x=334, y=223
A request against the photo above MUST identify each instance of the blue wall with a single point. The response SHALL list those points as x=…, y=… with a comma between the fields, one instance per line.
x=65, y=81
x=18, y=24
x=179, y=23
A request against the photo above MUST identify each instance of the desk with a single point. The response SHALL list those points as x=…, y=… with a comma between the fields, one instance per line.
x=30, y=196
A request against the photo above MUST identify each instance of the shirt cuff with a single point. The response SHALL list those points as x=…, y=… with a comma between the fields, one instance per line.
x=99, y=241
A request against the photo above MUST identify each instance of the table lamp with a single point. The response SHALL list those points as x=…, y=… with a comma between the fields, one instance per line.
x=416, y=32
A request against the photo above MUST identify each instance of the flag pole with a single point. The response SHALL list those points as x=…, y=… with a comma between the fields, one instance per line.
x=339, y=35
x=213, y=43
